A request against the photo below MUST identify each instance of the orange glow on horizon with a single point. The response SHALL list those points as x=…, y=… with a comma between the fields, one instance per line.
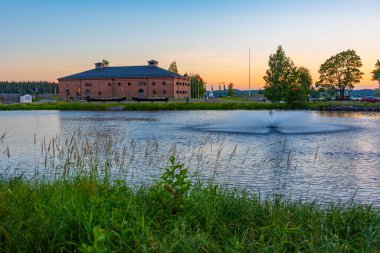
x=239, y=77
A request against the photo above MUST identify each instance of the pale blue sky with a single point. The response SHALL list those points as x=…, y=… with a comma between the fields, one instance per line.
x=49, y=39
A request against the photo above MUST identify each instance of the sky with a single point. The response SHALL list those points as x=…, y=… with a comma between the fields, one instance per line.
x=48, y=39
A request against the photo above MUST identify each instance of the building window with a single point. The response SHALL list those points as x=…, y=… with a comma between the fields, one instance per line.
x=129, y=84
x=164, y=83
x=177, y=91
x=177, y=83
x=109, y=84
x=164, y=92
x=153, y=83
x=154, y=92
x=87, y=85
x=100, y=93
x=141, y=83
x=118, y=84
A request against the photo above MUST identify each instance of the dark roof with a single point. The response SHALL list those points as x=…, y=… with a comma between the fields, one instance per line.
x=123, y=72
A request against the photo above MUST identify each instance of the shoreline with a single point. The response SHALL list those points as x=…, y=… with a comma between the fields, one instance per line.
x=181, y=106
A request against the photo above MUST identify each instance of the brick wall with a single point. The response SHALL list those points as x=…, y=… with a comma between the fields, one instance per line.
x=123, y=87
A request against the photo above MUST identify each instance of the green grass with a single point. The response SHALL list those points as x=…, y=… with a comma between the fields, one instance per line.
x=235, y=105
x=324, y=105
x=240, y=98
x=203, y=106
x=96, y=216
x=59, y=106
x=144, y=106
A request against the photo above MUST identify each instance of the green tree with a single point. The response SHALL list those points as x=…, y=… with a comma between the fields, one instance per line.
x=105, y=62
x=230, y=91
x=198, y=86
x=31, y=87
x=304, y=79
x=173, y=67
x=376, y=76
x=341, y=72
x=280, y=77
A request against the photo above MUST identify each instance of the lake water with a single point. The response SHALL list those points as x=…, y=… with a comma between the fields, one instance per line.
x=308, y=155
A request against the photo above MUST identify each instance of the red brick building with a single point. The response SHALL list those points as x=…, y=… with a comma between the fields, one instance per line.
x=130, y=81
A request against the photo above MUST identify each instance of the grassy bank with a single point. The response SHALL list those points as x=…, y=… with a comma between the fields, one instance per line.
x=71, y=106
x=203, y=106
x=236, y=105
x=95, y=216
x=144, y=106
x=321, y=106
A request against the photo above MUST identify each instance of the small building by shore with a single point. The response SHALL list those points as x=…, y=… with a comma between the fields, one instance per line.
x=27, y=98
x=129, y=81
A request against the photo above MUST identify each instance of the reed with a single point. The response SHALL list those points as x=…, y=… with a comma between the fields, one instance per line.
x=90, y=215
x=94, y=193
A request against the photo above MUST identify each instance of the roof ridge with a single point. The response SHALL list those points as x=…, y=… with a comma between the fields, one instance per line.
x=123, y=72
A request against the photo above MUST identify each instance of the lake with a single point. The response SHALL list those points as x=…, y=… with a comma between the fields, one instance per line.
x=324, y=156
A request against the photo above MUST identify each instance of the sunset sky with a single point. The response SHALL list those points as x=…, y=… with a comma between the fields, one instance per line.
x=45, y=40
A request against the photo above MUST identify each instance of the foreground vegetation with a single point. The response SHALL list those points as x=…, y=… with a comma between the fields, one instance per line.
x=94, y=205
x=90, y=215
x=236, y=105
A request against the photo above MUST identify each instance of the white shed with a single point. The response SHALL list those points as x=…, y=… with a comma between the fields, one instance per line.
x=26, y=98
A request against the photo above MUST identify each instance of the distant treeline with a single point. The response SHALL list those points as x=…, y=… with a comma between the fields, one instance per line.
x=31, y=87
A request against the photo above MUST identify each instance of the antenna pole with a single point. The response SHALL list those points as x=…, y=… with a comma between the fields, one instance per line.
x=249, y=72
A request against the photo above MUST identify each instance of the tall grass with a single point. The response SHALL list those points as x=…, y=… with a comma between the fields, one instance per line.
x=88, y=201
x=231, y=105
x=94, y=215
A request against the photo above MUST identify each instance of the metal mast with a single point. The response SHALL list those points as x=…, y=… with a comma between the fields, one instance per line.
x=249, y=72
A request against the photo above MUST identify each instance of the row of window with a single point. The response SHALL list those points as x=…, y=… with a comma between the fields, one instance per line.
x=129, y=84
x=163, y=92
x=154, y=91
x=183, y=84
x=100, y=93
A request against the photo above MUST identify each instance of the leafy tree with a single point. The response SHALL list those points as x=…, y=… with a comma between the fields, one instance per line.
x=230, y=91
x=173, y=67
x=376, y=76
x=280, y=77
x=304, y=79
x=341, y=72
x=198, y=86
x=105, y=62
